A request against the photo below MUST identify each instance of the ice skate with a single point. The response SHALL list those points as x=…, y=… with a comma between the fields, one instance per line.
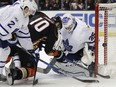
x=9, y=75
x=2, y=78
x=10, y=72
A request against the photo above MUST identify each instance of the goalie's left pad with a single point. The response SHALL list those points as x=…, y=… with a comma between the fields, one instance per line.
x=71, y=68
x=58, y=44
x=87, y=58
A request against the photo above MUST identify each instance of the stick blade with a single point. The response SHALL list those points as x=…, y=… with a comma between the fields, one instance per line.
x=35, y=82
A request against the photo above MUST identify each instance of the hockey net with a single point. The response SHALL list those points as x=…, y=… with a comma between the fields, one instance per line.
x=105, y=38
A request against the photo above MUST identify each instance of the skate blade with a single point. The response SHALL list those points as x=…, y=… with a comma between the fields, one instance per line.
x=9, y=76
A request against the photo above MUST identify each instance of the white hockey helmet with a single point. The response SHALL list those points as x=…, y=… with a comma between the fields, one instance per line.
x=68, y=21
x=31, y=4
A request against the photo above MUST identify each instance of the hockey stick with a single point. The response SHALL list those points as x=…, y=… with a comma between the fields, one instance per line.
x=49, y=66
x=103, y=76
x=35, y=81
x=67, y=74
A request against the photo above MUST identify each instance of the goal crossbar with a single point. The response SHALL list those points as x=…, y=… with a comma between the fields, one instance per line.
x=111, y=5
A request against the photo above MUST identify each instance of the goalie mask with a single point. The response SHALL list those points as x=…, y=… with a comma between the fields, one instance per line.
x=68, y=21
x=29, y=7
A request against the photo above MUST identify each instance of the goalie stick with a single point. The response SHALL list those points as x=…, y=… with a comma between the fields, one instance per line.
x=103, y=76
x=67, y=74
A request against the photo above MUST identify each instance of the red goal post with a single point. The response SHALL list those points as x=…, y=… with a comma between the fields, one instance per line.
x=105, y=8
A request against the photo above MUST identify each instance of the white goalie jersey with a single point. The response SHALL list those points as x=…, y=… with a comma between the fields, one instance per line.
x=75, y=39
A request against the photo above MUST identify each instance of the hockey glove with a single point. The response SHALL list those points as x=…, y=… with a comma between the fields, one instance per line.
x=13, y=41
x=60, y=57
x=35, y=57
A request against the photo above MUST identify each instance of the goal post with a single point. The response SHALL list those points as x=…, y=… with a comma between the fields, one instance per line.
x=105, y=26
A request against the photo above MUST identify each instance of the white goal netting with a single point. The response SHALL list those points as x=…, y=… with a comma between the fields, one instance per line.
x=106, y=25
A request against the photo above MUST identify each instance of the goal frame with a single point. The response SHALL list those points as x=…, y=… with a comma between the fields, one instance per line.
x=106, y=7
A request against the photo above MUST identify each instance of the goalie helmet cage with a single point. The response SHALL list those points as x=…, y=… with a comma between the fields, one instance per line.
x=105, y=8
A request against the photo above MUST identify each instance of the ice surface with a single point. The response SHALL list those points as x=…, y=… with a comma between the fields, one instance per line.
x=55, y=80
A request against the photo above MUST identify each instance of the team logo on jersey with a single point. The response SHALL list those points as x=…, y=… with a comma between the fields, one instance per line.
x=66, y=45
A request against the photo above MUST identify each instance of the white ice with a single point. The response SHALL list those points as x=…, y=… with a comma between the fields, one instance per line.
x=53, y=79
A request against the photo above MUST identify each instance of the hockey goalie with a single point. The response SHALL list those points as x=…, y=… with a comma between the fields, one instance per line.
x=76, y=44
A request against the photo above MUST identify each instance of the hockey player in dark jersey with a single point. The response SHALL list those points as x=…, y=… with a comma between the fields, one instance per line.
x=41, y=28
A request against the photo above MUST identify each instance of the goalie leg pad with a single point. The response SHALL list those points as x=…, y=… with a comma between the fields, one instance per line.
x=71, y=68
x=87, y=58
